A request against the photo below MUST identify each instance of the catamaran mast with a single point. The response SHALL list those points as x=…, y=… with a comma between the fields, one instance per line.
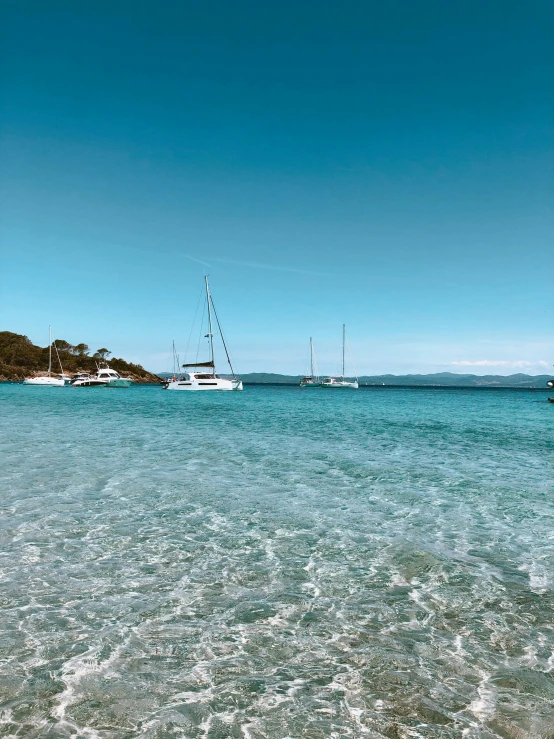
x=311, y=357
x=343, y=342
x=50, y=351
x=210, y=335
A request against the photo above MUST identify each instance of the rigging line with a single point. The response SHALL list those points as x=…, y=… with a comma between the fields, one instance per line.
x=222, y=338
x=192, y=327
x=59, y=360
x=316, y=375
x=352, y=358
x=200, y=334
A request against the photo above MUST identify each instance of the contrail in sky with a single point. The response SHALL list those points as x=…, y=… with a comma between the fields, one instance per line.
x=198, y=260
x=259, y=265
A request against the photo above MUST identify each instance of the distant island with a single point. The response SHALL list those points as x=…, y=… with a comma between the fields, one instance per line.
x=20, y=358
x=439, y=379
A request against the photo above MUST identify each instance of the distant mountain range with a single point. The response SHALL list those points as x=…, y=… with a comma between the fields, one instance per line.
x=439, y=379
x=20, y=358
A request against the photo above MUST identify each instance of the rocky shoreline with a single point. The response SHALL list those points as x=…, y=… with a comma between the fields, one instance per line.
x=20, y=358
x=9, y=373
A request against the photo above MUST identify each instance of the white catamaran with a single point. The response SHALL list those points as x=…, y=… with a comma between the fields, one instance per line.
x=311, y=380
x=339, y=381
x=206, y=378
x=48, y=381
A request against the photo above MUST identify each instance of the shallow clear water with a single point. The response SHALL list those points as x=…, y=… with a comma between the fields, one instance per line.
x=276, y=563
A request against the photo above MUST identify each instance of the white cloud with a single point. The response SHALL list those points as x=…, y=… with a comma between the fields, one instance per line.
x=522, y=363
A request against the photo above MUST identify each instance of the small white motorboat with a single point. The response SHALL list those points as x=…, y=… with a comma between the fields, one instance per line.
x=112, y=378
x=85, y=379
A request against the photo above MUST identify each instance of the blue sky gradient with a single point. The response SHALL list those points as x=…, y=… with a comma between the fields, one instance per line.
x=387, y=165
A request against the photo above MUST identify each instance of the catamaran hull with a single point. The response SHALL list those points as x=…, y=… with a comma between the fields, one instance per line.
x=310, y=384
x=217, y=383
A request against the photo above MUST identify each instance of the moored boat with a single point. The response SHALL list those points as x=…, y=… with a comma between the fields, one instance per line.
x=113, y=378
x=202, y=375
x=311, y=380
x=204, y=381
x=44, y=381
x=48, y=380
x=85, y=379
x=339, y=381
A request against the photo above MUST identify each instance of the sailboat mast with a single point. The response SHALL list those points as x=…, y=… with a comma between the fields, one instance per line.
x=50, y=351
x=343, y=342
x=311, y=357
x=208, y=298
x=174, y=370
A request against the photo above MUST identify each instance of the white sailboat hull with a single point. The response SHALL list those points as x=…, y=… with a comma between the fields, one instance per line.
x=215, y=383
x=48, y=380
x=340, y=384
x=337, y=381
x=44, y=381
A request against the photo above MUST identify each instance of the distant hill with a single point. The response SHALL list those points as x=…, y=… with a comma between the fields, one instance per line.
x=452, y=379
x=20, y=358
x=439, y=379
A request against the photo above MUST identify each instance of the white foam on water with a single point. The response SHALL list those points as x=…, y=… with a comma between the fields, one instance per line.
x=530, y=659
x=539, y=580
x=483, y=706
x=74, y=671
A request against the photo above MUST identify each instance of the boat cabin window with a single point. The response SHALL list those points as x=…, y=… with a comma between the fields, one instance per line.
x=204, y=377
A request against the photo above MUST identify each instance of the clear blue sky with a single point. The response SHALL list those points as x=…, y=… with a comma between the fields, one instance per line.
x=384, y=164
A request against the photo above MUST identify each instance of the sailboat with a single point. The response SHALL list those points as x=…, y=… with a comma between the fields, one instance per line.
x=176, y=375
x=339, y=381
x=48, y=381
x=311, y=380
x=204, y=376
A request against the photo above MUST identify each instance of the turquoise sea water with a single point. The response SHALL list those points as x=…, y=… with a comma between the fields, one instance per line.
x=276, y=563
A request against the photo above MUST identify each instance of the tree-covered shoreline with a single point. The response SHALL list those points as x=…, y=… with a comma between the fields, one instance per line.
x=20, y=358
